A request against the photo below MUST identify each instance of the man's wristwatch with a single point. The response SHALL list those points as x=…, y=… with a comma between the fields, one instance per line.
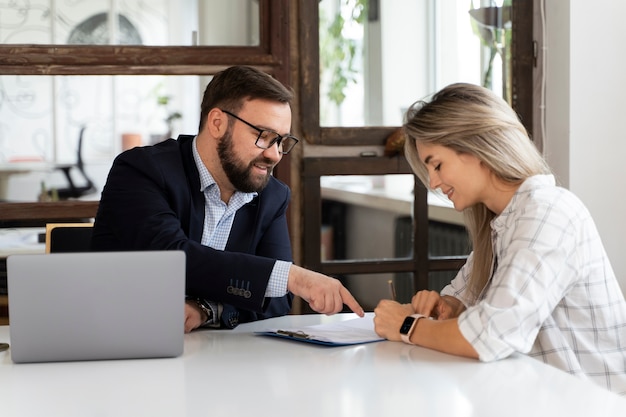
x=205, y=309
x=408, y=327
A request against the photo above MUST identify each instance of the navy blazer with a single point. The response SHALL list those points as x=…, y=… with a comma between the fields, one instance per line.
x=152, y=201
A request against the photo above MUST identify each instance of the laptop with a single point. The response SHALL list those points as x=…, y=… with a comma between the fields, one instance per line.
x=96, y=305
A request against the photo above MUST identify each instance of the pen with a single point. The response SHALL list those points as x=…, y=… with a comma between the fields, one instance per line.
x=4, y=346
x=392, y=290
x=299, y=334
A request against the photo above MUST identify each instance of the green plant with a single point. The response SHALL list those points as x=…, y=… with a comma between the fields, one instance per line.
x=492, y=25
x=337, y=51
x=164, y=100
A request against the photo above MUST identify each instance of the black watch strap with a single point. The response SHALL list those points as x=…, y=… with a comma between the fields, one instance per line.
x=205, y=309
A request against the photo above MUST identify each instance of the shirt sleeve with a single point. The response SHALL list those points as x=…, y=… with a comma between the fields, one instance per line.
x=277, y=285
x=457, y=288
x=536, y=265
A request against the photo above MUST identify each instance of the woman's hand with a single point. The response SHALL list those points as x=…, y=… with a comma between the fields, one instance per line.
x=388, y=318
x=431, y=304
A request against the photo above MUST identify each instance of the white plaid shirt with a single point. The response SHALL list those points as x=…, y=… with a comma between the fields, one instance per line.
x=553, y=294
x=218, y=220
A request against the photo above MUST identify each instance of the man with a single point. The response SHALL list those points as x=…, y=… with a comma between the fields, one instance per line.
x=214, y=197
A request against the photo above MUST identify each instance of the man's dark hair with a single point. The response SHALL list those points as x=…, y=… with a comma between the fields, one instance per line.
x=230, y=88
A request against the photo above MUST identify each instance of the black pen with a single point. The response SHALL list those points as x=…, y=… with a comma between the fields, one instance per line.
x=299, y=334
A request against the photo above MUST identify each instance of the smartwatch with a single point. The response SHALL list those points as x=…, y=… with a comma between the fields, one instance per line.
x=408, y=326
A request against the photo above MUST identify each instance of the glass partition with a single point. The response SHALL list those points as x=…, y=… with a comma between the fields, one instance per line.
x=41, y=117
x=130, y=22
x=46, y=122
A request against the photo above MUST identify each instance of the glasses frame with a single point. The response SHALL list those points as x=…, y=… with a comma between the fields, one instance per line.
x=277, y=140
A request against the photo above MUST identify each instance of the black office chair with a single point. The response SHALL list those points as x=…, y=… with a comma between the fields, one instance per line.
x=74, y=191
x=68, y=237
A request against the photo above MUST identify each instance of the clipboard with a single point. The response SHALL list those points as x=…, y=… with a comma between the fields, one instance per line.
x=342, y=333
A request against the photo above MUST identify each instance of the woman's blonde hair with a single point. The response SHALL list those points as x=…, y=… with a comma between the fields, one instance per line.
x=473, y=120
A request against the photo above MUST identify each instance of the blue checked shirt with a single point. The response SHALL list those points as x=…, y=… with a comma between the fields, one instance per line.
x=218, y=220
x=553, y=293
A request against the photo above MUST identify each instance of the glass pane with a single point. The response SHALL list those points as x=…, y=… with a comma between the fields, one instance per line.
x=369, y=217
x=47, y=115
x=376, y=61
x=130, y=22
x=439, y=279
x=366, y=217
x=369, y=289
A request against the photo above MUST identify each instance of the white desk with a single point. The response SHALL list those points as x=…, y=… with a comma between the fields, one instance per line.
x=21, y=240
x=235, y=373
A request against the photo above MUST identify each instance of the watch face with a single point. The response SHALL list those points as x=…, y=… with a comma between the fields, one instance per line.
x=406, y=325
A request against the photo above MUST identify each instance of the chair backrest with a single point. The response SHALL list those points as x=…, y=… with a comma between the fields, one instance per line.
x=73, y=190
x=68, y=237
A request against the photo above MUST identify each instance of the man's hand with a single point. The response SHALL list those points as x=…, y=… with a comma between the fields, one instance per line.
x=324, y=294
x=193, y=316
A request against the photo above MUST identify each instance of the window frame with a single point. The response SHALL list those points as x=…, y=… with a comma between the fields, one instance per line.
x=53, y=59
x=419, y=263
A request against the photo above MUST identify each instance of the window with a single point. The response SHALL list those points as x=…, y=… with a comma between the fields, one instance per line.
x=380, y=57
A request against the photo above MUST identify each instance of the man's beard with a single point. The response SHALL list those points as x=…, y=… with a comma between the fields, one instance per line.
x=238, y=173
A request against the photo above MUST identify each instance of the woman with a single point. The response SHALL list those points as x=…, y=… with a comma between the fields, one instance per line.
x=538, y=280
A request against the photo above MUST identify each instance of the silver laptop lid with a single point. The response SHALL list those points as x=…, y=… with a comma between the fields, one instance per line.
x=96, y=305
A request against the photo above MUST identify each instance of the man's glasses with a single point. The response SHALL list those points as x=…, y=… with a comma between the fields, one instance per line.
x=267, y=138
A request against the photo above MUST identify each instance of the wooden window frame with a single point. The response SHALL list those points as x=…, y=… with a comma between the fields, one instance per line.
x=271, y=55
x=419, y=263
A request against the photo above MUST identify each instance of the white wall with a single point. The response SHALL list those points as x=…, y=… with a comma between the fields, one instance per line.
x=585, y=94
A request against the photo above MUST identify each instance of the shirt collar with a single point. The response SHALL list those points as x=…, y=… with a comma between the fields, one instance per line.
x=530, y=184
